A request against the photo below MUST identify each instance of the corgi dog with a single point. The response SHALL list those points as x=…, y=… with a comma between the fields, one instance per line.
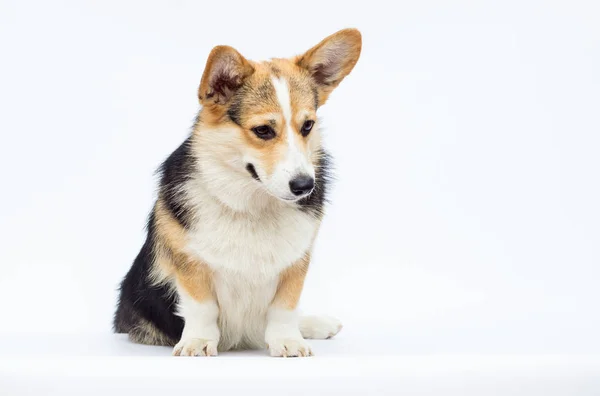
x=239, y=205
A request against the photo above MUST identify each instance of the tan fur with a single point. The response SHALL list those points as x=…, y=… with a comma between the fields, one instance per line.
x=225, y=68
x=347, y=41
x=169, y=245
x=318, y=71
x=291, y=282
x=196, y=279
x=263, y=108
x=232, y=84
x=172, y=260
x=301, y=91
x=169, y=229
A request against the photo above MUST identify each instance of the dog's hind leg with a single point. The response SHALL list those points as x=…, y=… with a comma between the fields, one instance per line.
x=319, y=327
x=144, y=332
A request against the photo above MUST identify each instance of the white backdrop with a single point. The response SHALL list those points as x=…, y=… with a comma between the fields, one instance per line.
x=466, y=213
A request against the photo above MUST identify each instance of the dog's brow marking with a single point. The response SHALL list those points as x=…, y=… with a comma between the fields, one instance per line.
x=283, y=97
x=285, y=102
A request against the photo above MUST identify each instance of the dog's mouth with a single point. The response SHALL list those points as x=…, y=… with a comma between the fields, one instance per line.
x=295, y=199
x=252, y=171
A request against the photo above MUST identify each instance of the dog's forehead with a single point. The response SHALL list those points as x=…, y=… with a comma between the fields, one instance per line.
x=259, y=94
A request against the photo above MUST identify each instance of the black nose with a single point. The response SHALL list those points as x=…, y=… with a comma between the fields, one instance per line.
x=301, y=185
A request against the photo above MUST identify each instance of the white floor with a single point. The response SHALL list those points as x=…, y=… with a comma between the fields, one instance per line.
x=109, y=364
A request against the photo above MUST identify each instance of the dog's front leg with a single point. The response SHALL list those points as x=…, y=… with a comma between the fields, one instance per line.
x=282, y=334
x=199, y=309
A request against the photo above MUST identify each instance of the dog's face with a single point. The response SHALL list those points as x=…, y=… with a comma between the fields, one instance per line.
x=263, y=115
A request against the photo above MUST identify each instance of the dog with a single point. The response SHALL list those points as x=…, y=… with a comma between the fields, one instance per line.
x=239, y=205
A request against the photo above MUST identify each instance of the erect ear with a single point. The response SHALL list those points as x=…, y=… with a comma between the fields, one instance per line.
x=331, y=60
x=226, y=69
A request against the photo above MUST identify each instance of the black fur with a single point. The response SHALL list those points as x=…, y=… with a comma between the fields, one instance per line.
x=252, y=170
x=142, y=303
x=235, y=111
x=140, y=299
x=316, y=201
x=175, y=171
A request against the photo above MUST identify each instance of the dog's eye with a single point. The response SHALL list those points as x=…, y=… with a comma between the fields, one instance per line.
x=306, y=127
x=264, y=132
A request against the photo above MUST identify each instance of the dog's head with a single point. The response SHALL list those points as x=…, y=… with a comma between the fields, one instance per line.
x=260, y=117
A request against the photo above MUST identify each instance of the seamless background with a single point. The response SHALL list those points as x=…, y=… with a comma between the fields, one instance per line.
x=465, y=215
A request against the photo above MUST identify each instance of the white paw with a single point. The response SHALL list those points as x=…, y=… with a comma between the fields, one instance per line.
x=195, y=347
x=289, y=347
x=319, y=327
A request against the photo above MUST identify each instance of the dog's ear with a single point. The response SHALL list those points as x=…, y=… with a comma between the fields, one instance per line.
x=226, y=69
x=331, y=60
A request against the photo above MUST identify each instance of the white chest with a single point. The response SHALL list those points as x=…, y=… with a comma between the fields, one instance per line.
x=247, y=253
x=243, y=306
x=257, y=246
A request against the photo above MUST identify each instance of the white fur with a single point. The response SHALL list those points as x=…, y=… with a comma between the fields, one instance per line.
x=244, y=303
x=282, y=92
x=200, y=335
x=295, y=161
x=319, y=327
x=283, y=334
x=246, y=236
x=257, y=243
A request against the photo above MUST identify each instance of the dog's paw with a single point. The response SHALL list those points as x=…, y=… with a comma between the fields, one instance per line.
x=195, y=347
x=289, y=347
x=319, y=327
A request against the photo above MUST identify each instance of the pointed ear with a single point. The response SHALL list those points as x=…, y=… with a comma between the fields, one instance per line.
x=225, y=71
x=331, y=60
